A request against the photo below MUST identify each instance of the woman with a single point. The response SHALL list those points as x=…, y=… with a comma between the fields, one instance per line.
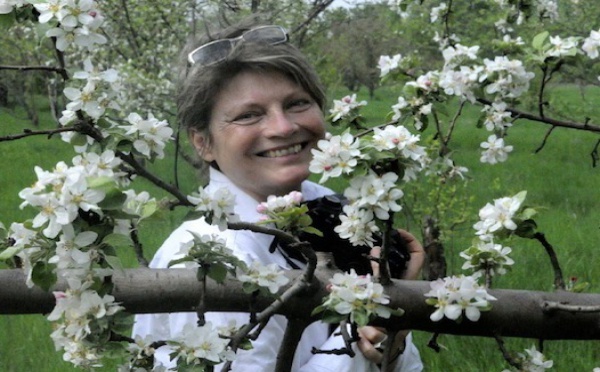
x=253, y=108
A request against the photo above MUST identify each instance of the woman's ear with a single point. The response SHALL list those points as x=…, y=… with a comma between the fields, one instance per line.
x=201, y=143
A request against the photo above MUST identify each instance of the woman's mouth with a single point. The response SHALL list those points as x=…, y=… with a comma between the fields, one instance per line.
x=294, y=149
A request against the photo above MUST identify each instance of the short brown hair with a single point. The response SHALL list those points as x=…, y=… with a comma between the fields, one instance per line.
x=200, y=85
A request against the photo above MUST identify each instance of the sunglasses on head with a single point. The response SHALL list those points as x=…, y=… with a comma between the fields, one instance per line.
x=218, y=50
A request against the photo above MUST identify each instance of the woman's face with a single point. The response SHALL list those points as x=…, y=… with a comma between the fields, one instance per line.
x=263, y=126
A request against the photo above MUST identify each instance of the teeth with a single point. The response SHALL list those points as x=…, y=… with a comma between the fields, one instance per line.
x=283, y=152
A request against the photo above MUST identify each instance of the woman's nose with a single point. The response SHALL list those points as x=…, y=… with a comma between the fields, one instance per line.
x=280, y=124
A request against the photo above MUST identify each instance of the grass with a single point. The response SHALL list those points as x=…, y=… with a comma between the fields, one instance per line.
x=560, y=181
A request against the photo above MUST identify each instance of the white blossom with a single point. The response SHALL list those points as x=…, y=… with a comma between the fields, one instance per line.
x=437, y=11
x=267, y=276
x=506, y=78
x=198, y=345
x=357, y=225
x=561, y=47
x=454, y=295
x=387, y=64
x=149, y=135
x=7, y=6
x=591, y=44
x=335, y=156
x=534, y=361
x=487, y=257
x=494, y=150
x=218, y=205
x=497, y=118
x=355, y=295
x=342, y=108
x=497, y=216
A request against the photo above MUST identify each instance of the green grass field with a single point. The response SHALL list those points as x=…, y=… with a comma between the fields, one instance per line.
x=560, y=180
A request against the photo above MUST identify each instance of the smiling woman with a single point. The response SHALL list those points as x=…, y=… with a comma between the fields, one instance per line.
x=263, y=127
x=253, y=109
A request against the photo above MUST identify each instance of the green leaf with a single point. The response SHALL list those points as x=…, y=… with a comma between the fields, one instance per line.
x=114, y=262
x=7, y=20
x=9, y=253
x=149, y=209
x=520, y=196
x=539, y=39
x=526, y=229
x=527, y=213
x=360, y=318
x=397, y=312
x=113, y=200
x=78, y=139
x=333, y=317
x=218, y=273
x=118, y=240
x=101, y=183
x=312, y=230
x=43, y=275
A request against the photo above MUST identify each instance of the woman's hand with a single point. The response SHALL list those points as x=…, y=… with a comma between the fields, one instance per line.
x=372, y=337
x=417, y=256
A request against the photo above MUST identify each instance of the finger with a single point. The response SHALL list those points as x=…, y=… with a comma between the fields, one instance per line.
x=370, y=337
x=414, y=246
x=417, y=256
x=375, y=335
x=375, y=252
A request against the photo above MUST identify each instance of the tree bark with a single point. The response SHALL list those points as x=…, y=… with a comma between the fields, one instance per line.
x=516, y=313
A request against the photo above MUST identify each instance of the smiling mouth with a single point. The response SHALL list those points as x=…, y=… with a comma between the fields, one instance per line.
x=294, y=149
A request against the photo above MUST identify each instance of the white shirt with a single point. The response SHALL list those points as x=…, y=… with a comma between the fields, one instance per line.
x=249, y=247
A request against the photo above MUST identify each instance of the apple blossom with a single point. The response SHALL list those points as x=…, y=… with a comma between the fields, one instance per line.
x=149, y=135
x=453, y=295
x=200, y=346
x=591, y=44
x=494, y=150
x=387, y=64
x=498, y=216
x=357, y=298
x=265, y=276
x=217, y=206
x=344, y=107
x=487, y=258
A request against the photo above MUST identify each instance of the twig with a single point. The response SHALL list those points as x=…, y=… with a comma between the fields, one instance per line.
x=143, y=172
x=594, y=154
x=543, y=144
x=59, y=70
x=137, y=246
x=559, y=282
x=551, y=306
x=387, y=352
x=30, y=133
x=201, y=307
x=433, y=343
x=300, y=284
x=444, y=148
x=546, y=120
x=348, y=340
x=507, y=354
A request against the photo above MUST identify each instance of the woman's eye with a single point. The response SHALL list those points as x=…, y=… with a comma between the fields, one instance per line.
x=299, y=104
x=247, y=118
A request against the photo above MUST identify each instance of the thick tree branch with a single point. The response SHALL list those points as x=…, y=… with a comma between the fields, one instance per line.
x=516, y=313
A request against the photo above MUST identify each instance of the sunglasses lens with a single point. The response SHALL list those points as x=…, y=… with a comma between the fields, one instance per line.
x=269, y=35
x=219, y=50
x=212, y=52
